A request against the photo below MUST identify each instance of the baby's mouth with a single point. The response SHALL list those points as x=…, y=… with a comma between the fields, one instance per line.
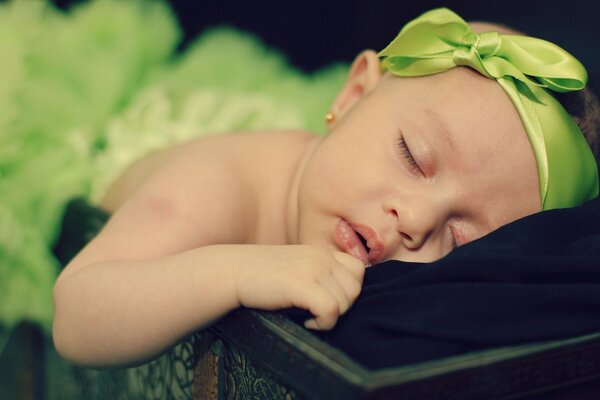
x=363, y=241
x=370, y=241
x=350, y=241
x=365, y=244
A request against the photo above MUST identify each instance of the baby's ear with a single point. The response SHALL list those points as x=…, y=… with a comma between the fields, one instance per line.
x=364, y=74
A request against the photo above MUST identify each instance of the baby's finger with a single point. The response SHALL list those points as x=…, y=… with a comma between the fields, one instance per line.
x=321, y=303
x=337, y=289
x=350, y=284
x=311, y=324
x=352, y=264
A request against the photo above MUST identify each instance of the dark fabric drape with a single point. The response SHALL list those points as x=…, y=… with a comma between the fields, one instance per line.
x=532, y=280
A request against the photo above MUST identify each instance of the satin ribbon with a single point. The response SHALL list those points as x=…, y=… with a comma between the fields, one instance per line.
x=526, y=68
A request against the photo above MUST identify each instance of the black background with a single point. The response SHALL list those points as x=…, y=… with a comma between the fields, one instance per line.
x=315, y=33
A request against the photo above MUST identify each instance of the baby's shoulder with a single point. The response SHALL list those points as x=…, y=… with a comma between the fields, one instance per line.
x=209, y=190
x=242, y=152
x=252, y=143
x=236, y=159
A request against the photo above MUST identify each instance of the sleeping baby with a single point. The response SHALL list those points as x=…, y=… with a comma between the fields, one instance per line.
x=447, y=134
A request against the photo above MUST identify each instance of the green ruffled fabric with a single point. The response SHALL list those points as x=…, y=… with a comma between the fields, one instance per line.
x=84, y=93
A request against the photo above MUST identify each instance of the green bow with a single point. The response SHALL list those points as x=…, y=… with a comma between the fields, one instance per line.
x=525, y=67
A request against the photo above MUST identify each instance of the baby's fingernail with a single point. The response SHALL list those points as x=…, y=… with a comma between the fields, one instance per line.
x=311, y=324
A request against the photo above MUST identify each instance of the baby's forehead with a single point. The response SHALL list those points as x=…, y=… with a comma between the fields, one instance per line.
x=460, y=82
x=464, y=100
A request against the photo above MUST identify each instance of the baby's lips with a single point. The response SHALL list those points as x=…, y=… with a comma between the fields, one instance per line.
x=360, y=254
x=376, y=248
x=347, y=240
x=376, y=251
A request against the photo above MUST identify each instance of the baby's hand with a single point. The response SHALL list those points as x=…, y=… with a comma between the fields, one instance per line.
x=322, y=281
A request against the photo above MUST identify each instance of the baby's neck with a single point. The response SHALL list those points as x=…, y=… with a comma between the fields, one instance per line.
x=279, y=162
x=291, y=216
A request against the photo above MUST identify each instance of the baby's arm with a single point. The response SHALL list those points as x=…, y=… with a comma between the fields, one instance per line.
x=156, y=272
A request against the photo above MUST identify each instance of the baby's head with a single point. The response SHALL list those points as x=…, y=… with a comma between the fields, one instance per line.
x=583, y=105
x=414, y=166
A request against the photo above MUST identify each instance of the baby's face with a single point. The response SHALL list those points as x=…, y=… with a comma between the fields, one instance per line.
x=417, y=166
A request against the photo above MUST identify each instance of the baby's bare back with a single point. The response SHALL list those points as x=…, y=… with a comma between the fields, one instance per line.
x=244, y=152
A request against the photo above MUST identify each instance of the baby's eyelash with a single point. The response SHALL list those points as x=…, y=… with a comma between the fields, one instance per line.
x=406, y=154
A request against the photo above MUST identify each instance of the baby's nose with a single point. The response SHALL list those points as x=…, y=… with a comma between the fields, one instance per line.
x=414, y=221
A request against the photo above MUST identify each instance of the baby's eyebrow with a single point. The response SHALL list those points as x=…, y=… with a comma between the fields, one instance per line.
x=441, y=128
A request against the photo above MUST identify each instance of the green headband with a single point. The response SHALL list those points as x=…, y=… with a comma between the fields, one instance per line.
x=525, y=67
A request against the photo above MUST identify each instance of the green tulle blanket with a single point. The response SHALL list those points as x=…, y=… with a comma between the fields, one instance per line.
x=86, y=91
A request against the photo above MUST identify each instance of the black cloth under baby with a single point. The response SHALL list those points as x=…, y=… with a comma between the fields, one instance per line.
x=532, y=280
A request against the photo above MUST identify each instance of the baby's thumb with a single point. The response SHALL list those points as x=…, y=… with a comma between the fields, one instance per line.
x=353, y=264
x=320, y=324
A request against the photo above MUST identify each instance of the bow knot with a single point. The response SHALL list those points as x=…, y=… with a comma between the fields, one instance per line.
x=474, y=49
x=439, y=40
x=485, y=44
x=488, y=43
